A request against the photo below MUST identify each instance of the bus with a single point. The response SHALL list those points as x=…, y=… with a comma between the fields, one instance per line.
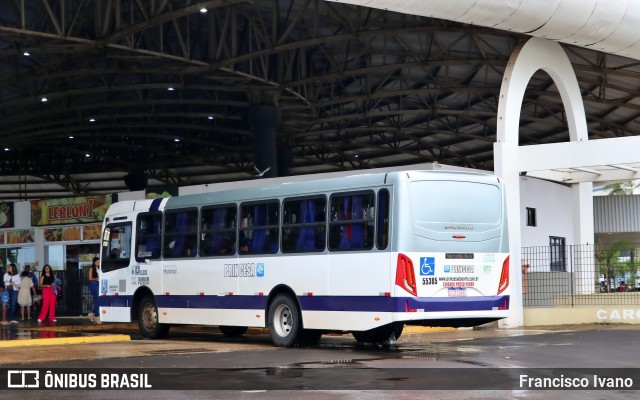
x=363, y=254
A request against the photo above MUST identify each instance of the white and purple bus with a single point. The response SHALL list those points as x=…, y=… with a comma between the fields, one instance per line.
x=364, y=254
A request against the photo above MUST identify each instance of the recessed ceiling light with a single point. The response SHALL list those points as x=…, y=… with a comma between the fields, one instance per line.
x=176, y=140
x=26, y=54
x=171, y=89
x=92, y=120
x=203, y=10
x=6, y=149
x=210, y=117
x=44, y=100
x=87, y=155
x=71, y=137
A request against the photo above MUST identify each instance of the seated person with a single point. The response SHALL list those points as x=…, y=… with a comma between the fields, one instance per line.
x=622, y=287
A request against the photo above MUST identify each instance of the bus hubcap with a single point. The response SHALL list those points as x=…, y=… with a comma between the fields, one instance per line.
x=282, y=320
x=149, y=316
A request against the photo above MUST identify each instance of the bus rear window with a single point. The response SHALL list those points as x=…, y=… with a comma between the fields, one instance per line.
x=455, y=202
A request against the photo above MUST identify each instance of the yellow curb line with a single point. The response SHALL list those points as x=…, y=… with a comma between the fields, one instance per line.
x=424, y=329
x=68, y=340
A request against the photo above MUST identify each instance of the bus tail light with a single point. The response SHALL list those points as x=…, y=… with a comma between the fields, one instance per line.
x=504, y=276
x=405, y=277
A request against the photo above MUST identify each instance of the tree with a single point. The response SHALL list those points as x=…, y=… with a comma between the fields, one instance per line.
x=610, y=265
x=622, y=188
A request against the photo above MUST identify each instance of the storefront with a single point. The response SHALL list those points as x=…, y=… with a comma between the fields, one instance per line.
x=64, y=233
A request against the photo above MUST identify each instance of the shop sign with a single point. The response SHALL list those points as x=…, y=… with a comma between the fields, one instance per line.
x=71, y=210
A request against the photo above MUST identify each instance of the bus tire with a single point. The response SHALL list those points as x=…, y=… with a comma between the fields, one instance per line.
x=148, y=323
x=284, y=321
x=380, y=334
x=232, y=331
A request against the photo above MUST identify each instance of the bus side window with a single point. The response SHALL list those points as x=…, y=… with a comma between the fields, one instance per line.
x=349, y=228
x=303, y=225
x=218, y=232
x=180, y=238
x=382, y=221
x=148, y=236
x=259, y=227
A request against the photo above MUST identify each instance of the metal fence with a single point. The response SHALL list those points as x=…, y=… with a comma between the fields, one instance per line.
x=577, y=275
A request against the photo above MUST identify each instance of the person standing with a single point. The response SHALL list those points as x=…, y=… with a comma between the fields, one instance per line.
x=12, y=284
x=94, y=278
x=47, y=281
x=4, y=299
x=32, y=274
x=34, y=279
x=25, y=293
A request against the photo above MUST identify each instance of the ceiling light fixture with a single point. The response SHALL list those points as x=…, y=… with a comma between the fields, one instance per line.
x=87, y=155
x=203, y=10
x=92, y=120
x=44, y=100
x=6, y=149
x=171, y=89
x=26, y=54
x=176, y=140
x=210, y=117
x=71, y=137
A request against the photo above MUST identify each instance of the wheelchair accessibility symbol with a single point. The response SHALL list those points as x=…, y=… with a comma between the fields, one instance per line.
x=427, y=265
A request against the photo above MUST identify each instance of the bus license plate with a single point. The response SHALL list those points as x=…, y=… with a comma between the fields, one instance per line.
x=457, y=292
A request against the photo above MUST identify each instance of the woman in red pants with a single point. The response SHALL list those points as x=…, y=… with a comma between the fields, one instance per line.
x=48, y=295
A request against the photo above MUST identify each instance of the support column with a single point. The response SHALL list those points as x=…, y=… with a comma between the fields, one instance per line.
x=583, y=233
x=506, y=166
x=264, y=121
x=525, y=60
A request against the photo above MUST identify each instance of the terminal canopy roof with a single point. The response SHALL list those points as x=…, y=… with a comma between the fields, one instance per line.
x=91, y=91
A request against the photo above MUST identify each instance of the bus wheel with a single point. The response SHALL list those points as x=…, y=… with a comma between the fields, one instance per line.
x=148, y=320
x=233, y=331
x=284, y=321
x=381, y=334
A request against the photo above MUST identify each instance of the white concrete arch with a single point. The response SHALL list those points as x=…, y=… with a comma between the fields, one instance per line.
x=536, y=54
x=539, y=54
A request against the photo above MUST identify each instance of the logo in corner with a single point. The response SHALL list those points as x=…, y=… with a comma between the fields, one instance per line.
x=23, y=378
x=259, y=269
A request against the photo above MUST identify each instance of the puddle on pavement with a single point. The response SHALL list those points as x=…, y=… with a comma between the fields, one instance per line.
x=17, y=332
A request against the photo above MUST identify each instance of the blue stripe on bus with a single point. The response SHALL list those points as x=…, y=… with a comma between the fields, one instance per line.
x=402, y=304
x=326, y=303
x=155, y=205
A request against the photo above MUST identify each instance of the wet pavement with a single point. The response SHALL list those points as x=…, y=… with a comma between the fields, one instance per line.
x=65, y=330
x=443, y=363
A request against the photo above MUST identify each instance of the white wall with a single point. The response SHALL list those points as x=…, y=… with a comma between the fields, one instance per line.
x=22, y=214
x=552, y=202
x=137, y=195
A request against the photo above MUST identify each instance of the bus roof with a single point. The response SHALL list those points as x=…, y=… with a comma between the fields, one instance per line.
x=321, y=184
